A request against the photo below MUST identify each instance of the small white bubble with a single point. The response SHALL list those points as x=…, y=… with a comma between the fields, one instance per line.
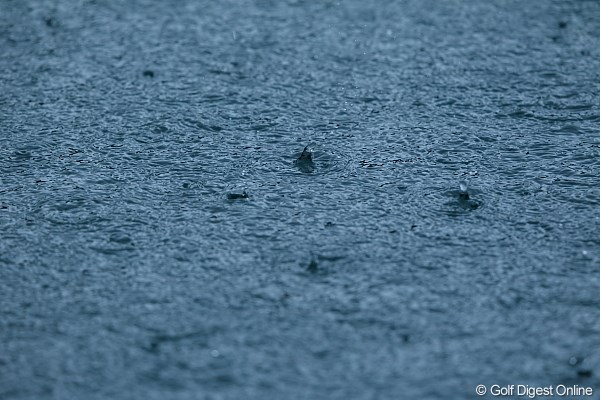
x=215, y=353
x=573, y=360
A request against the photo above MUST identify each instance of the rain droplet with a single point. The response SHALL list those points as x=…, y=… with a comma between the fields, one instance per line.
x=573, y=360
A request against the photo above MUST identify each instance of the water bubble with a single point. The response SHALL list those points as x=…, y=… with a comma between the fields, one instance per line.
x=573, y=360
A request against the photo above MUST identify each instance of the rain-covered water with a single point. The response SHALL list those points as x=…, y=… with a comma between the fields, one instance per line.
x=160, y=238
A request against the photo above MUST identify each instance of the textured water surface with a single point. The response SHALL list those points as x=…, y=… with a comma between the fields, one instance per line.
x=159, y=238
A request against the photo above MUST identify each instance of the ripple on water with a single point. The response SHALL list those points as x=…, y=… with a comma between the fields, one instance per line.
x=372, y=261
x=452, y=202
x=325, y=162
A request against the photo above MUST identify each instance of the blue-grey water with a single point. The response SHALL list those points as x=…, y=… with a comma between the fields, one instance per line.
x=160, y=239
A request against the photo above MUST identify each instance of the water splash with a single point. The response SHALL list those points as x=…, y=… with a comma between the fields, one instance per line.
x=305, y=162
x=463, y=187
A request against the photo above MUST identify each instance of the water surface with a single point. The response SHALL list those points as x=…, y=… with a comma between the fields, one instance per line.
x=159, y=241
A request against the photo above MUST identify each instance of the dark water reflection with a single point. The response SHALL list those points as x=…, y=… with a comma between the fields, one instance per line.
x=160, y=240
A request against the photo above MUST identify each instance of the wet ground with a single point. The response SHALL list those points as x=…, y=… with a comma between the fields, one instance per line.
x=162, y=236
